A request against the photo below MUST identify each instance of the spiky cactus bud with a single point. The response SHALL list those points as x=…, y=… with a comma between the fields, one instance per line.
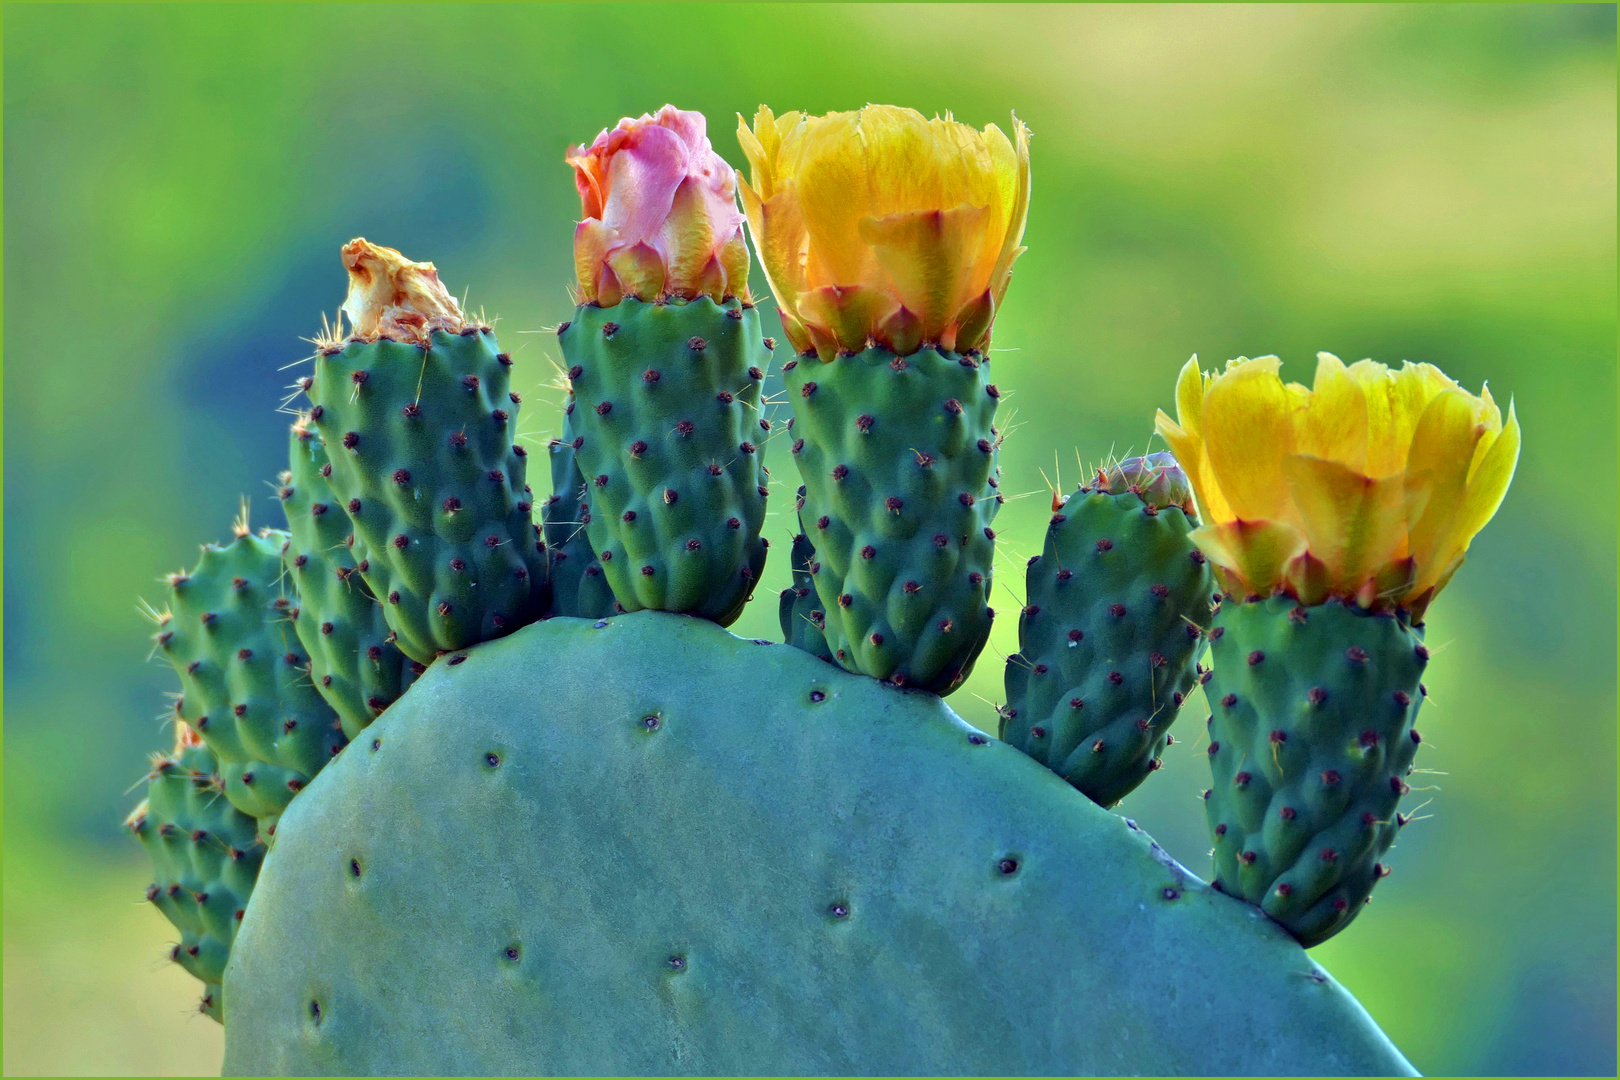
x=666, y=359
x=1111, y=631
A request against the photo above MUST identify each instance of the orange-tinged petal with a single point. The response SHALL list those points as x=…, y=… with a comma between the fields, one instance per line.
x=972, y=324
x=1353, y=523
x=780, y=239
x=639, y=269
x=1442, y=448
x=1190, y=397
x=391, y=296
x=923, y=252
x=844, y=314
x=1254, y=551
x=592, y=241
x=734, y=261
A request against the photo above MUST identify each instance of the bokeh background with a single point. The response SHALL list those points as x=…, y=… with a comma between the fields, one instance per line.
x=1426, y=182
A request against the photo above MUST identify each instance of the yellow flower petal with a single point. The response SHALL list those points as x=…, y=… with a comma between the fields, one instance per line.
x=1334, y=424
x=1442, y=446
x=1248, y=429
x=924, y=253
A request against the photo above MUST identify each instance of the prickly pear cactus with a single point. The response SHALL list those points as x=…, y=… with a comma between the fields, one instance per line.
x=245, y=686
x=419, y=420
x=1112, y=629
x=573, y=851
x=353, y=661
x=799, y=608
x=205, y=857
x=578, y=586
x=671, y=445
x=1311, y=741
x=898, y=457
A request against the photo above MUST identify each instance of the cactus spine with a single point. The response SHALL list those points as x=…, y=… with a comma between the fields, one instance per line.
x=1112, y=630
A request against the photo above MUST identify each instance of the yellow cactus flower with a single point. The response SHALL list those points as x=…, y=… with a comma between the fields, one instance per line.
x=884, y=226
x=391, y=296
x=1368, y=486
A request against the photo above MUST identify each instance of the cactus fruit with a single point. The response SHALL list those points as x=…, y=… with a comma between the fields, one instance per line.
x=667, y=403
x=898, y=456
x=1112, y=630
x=800, y=608
x=245, y=686
x=646, y=846
x=578, y=587
x=415, y=409
x=1311, y=741
x=205, y=857
x=353, y=662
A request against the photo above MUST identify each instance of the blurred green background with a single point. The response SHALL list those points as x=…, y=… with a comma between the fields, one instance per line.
x=1424, y=182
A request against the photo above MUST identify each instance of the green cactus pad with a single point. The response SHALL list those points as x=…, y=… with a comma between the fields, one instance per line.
x=578, y=587
x=898, y=456
x=353, y=662
x=1311, y=741
x=1108, y=642
x=645, y=846
x=245, y=685
x=671, y=441
x=424, y=465
x=800, y=609
x=205, y=858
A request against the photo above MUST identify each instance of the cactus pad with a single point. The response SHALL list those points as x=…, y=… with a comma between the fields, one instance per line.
x=578, y=587
x=1109, y=638
x=353, y=663
x=1311, y=740
x=671, y=440
x=898, y=457
x=245, y=685
x=205, y=857
x=800, y=608
x=420, y=439
x=645, y=846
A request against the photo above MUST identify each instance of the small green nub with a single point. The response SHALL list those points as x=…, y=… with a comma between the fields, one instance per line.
x=800, y=609
x=578, y=587
x=1157, y=478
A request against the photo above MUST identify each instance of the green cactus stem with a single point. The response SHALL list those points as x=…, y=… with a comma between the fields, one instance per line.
x=245, y=684
x=670, y=441
x=898, y=457
x=1311, y=741
x=205, y=857
x=579, y=589
x=1112, y=629
x=353, y=661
